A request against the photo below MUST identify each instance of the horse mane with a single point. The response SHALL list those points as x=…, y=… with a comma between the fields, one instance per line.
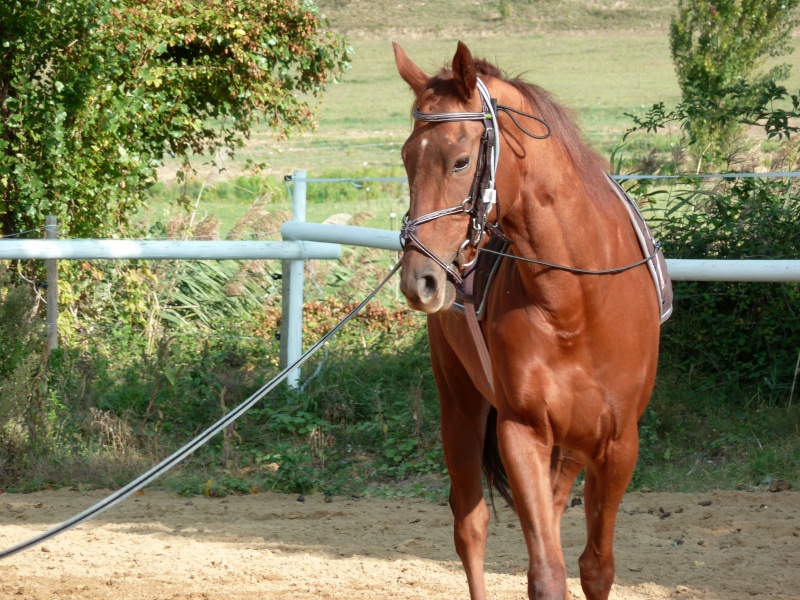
x=589, y=165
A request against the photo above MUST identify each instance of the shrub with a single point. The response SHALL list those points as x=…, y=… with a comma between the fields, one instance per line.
x=21, y=338
x=742, y=333
x=93, y=94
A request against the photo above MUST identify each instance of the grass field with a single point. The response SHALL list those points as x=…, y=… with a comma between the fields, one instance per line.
x=368, y=114
x=491, y=18
x=364, y=119
x=600, y=59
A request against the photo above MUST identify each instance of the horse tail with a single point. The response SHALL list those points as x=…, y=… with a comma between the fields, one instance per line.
x=493, y=468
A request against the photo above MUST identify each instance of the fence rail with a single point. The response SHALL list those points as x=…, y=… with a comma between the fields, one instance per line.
x=679, y=269
x=304, y=241
x=165, y=250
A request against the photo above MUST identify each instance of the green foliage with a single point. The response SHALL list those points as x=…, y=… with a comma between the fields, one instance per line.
x=21, y=338
x=742, y=333
x=93, y=94
x=171, y=296
x=364, y=415
x=717, y=44
x=737, y=332
x=766, y=105
x=159, y=351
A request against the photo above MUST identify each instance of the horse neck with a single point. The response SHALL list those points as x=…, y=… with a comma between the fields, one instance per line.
x=554, y=218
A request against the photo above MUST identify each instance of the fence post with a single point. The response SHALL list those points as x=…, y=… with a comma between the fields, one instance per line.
x=51, y=233
x=293, y=271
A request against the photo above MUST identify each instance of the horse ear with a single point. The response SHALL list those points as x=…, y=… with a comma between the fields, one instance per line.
x=411, y=73
x=464, y=72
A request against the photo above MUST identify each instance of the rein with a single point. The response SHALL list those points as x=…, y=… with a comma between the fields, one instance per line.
x=645, y=260
x=483, y=195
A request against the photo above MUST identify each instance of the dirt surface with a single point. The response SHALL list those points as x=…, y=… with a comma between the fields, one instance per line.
x=719, y=545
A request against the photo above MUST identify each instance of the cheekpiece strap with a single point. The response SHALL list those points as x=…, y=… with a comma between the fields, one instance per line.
x=483, y=195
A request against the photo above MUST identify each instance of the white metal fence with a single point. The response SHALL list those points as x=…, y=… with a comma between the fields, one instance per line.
x=304, y=241
x=88, y=249
x=679, y=269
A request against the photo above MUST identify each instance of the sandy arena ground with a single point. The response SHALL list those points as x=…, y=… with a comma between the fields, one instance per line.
x=719, y=545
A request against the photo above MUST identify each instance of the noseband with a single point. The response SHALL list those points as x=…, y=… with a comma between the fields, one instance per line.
x=483, y=195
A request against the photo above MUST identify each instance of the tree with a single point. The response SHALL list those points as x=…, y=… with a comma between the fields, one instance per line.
x=736, y=332
x=719, y=46
x=93, y=93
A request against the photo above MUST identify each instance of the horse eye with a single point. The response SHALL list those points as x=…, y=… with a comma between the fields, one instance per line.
x=461, y=164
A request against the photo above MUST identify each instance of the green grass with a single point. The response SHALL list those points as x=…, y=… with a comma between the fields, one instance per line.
x=364, y=119
x=374, y=18
x=700, y=435
x=369, y=204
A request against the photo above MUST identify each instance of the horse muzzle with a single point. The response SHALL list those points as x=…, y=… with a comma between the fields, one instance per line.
x=426, y=286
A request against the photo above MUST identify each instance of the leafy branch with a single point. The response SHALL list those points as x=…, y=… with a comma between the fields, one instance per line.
x=765, y=105
x=94, y=94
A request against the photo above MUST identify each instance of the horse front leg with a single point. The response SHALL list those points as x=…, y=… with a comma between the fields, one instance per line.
x=462, y=441
x=527, y=452
x=564, y=468
x=607, y=478
x=464, y=413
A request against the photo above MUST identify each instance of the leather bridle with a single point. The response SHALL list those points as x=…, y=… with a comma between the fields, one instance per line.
x=483, y=194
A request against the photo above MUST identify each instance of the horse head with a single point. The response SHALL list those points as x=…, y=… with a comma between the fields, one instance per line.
x=441, y=158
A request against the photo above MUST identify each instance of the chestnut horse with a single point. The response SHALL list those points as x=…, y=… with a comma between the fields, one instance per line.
x=572, y=337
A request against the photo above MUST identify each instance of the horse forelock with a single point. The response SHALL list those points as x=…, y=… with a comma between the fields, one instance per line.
x=589, y=165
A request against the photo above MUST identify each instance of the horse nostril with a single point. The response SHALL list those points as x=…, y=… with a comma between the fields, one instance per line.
x=427, y=287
